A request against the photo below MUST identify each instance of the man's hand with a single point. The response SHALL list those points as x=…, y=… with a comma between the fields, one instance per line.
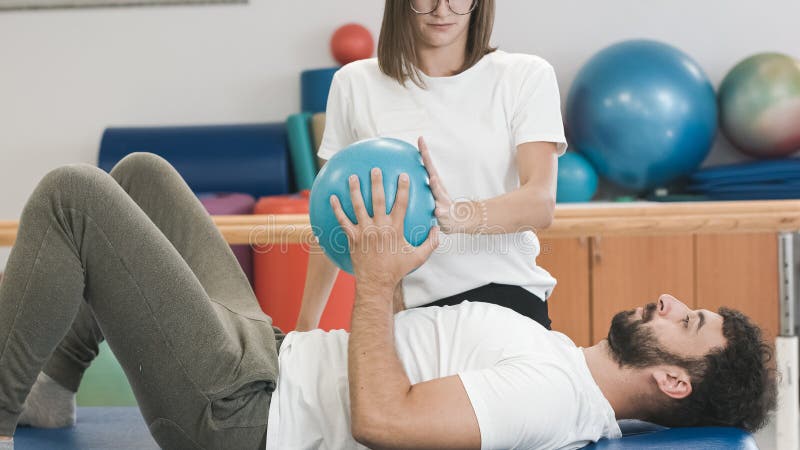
x=380, y=253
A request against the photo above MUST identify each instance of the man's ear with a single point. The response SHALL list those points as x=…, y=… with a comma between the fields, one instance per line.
x=673, y=381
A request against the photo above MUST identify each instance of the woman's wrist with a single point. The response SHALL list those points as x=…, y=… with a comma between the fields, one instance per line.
x=470, y=216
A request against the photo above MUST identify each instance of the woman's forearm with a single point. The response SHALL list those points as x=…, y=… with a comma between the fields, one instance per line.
x=525, y=209
x=320, y=277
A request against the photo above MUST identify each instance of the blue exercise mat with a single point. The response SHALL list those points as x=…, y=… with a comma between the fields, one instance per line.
x=106, y=428
x=773, y=179
x=787, y=186
x=760, y=172
x=251, y=159
x=124, y=429
x=700, y=438
x=749, y=191
x=758, y=180
x=762, y=195
x=786, y=167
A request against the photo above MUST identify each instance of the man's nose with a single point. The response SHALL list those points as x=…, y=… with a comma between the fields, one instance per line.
x=668, y=303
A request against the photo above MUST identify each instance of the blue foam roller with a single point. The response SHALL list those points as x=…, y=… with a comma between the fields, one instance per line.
x=251, y=159
x=314, y=87
x=120, y=428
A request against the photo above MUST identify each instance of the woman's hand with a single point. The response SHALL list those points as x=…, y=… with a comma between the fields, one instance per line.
x=461, y=216
x=378, y=248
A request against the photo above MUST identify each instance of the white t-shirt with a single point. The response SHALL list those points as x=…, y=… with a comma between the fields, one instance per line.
x=473, y=123
x=530, y=388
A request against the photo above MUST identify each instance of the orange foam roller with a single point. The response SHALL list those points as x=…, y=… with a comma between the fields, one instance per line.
x=279, y=273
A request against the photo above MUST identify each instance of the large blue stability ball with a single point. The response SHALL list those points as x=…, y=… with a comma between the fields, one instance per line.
x=393, y=157
x=577, y=179
x=643, y=112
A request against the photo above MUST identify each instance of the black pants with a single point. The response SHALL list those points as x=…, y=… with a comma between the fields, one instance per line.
x=513, y=297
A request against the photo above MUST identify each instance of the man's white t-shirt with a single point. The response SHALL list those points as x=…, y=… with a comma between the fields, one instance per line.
x=530, y=388
x=472, y=123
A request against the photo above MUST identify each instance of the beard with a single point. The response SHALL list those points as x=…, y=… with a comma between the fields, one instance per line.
x=634, y=345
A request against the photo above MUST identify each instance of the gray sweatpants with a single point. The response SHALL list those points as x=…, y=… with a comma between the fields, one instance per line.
x=133, y=258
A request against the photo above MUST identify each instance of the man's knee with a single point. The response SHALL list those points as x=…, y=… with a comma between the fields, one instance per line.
x=141, y=163
x=77, y=178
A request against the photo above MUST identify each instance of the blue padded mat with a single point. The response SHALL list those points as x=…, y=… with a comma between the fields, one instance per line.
x=701, y=438
x=784, y=167
x=775, y=179
x=772, y=195
x=250, y=158
x=757, y=180
x=123, y=428
x=98, y=428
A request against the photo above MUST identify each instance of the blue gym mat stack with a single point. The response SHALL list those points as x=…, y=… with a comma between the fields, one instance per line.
x=761, y=180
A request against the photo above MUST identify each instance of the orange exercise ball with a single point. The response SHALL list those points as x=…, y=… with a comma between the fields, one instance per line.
x=352, y=42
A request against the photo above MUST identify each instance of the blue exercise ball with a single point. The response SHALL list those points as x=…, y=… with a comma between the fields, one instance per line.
x=393, y=157
x=577, y=179
x=643, y=112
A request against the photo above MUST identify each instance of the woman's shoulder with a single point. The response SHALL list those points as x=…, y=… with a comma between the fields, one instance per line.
x=359, y=69
x=518, y=62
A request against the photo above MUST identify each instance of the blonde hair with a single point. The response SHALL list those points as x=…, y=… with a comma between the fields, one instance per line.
x=397, y=56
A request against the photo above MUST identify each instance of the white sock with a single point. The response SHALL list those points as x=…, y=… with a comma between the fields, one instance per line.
x=49, y=405
x=7, y=445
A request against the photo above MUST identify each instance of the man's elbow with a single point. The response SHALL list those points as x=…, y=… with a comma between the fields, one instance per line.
x=360, y=431
x=367, y=430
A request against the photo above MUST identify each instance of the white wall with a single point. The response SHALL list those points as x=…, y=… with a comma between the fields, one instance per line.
x=67, y=74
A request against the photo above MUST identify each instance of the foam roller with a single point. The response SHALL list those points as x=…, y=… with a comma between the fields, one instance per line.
x=251, y=159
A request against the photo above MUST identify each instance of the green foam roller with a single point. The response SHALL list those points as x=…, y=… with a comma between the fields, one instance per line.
x=301, y=150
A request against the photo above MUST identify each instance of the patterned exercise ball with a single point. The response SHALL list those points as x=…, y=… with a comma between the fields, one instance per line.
x=352, y=42
x=643, y=113
x=577, y=179
x=759, y=102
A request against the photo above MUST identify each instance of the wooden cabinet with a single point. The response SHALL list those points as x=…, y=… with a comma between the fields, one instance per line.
x=599, y=277
x=632, y=271
x=740, y=271
x=568, y=261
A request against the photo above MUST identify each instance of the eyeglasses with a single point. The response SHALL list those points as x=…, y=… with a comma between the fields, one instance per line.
x=460, y=7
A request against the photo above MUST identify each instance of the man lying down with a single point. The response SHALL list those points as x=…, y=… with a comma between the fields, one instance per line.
x=477, y=375
x=203, y=362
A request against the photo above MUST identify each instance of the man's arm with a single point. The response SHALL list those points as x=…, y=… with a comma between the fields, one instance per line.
x=397, y=300
x=386, y=410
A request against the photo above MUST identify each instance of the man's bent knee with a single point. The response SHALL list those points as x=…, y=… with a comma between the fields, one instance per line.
x=140, y=162
x=78, y=177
